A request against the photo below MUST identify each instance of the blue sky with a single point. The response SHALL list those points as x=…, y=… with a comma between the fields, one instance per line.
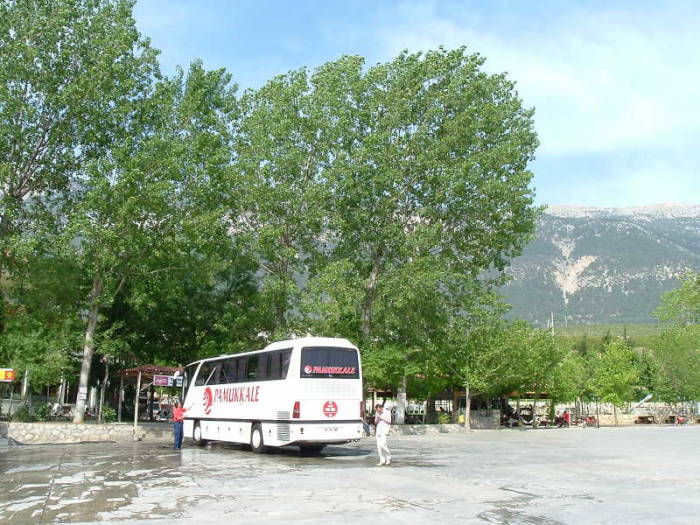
x=615, y=85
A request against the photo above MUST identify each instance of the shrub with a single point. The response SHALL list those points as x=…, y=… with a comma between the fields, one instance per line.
x=109, y=415
x=23, y=415
x=43, y=412
x=444, y=418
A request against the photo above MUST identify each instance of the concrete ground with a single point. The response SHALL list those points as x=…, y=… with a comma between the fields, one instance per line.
x=610, y=475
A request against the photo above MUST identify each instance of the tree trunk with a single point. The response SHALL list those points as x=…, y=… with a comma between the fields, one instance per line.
x=370, y=292
x=61, y=398
x=100, y=417
x=88, y=350
x=430, y=413
x=136, y=402
x=25, y=388
x=455, y=406
x=467, y=408
x=121, y=399
x=151, y=395
x=401, y=402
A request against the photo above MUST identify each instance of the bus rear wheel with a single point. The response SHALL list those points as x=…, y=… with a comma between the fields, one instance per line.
x=257, y=444
x=197, y=435
x=311, y=449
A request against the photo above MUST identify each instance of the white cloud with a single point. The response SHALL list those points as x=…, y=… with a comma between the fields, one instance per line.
x=599, y=80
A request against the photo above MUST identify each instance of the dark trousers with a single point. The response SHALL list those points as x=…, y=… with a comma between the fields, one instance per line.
x=177, y=430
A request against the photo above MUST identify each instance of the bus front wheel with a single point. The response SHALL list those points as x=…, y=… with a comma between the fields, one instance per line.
x=197, y=435
x=257, y=444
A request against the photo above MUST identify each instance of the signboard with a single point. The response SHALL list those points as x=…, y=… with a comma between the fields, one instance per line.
x=82, y=393
x=7, y=375
x=167, y=381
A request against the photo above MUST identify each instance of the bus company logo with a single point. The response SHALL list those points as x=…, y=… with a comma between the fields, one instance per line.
x=237, y=394
x=207, y=400
x=330, y=409
x=336, y=370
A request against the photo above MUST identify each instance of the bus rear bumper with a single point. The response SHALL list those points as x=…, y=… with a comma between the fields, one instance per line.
x=324, y=433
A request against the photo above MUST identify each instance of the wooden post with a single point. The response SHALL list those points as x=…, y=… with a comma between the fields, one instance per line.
x=121, y=399
x=25, y=387
x=136, y=402
x=401, y=402
x=150, y=402
x=105, y=380
x=467, y=407
x=12, y=395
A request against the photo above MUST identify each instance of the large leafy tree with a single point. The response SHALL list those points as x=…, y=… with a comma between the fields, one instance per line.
x=432, y=165
x=682, y=305
x=150, y=208
x=615, y=375
x=675, y=359
x=675, y=364
x=428, y=190
x=490, y=357
x=69, y=72
x=280, y=154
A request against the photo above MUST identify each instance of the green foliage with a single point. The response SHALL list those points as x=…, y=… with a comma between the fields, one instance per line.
x=28, y=343
x=164, y=219
x=674, y=364
x=615, y=377
x=69, y=73
x=682, y=305
x=24, y=415
x=420, y=187
x=109, y=415
x=43, y=412
x=570, y=379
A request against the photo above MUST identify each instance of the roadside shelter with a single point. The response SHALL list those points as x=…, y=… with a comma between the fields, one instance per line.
x=143, y=376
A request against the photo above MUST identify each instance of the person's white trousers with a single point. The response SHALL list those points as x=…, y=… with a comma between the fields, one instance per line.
x=383, y=449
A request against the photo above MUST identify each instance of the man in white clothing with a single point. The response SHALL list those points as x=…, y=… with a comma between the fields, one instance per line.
x=382, y=419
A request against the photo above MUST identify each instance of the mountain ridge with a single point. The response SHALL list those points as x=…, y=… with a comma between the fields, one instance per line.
x=603, y=265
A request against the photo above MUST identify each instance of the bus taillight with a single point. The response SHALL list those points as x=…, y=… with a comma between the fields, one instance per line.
x=297, y=410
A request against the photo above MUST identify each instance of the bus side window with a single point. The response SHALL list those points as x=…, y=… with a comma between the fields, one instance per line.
x=274, y=371
x=242, y=365
x=204, y=373
x=286, y=357
x=228, y=371
x=187, y=377
x=213, y=378
x=263, y=367
x=252, y=370
x=278, y=364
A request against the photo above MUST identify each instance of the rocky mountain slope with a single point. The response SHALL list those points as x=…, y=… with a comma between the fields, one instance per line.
x=603, y=265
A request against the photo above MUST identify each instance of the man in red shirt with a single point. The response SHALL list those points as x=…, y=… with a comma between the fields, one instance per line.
x=178, y=418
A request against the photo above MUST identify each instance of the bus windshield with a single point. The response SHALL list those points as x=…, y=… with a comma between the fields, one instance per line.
x=329, y=362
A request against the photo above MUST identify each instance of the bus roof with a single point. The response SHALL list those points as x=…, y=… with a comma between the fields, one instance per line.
x=280, y=345
x=311, y=341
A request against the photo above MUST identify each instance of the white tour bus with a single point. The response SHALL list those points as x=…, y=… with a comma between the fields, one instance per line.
x=305, y=392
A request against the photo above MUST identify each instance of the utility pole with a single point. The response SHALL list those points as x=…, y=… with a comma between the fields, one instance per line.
x=551, y=321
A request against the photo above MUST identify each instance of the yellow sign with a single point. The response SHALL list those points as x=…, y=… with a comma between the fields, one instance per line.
x=7, y=375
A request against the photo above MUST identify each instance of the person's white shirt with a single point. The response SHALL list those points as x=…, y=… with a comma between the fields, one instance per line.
x=383, y=421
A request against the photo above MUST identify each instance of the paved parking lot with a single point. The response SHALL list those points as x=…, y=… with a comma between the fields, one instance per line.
x=626, y=475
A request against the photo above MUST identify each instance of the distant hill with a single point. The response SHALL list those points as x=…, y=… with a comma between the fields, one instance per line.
x=603, y=265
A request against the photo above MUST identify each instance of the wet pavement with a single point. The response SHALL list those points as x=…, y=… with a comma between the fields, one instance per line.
x=626, y=475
